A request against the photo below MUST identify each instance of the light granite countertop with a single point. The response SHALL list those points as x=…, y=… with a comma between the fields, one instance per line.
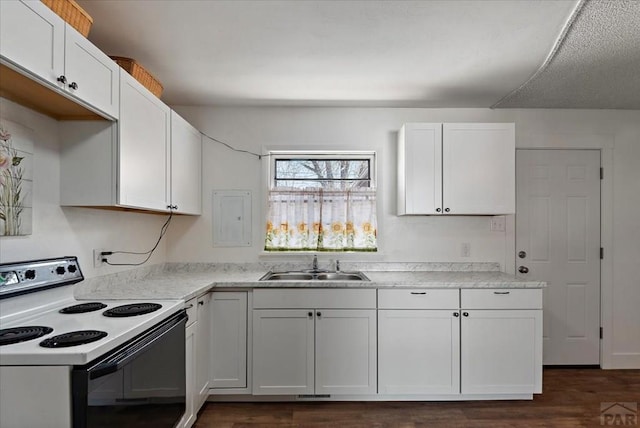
x=185, y=281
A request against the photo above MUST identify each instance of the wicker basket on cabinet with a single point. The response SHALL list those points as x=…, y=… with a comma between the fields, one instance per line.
x=72, y=14
x=139, y=73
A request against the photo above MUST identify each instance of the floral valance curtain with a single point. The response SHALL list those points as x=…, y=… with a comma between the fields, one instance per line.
x=321, y=220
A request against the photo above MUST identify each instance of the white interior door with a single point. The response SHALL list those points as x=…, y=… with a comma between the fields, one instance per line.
x=558, y=241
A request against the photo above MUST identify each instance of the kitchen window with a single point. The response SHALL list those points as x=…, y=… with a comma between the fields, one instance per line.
x=321, y=201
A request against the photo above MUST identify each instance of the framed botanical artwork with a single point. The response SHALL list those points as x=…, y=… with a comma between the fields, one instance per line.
x=16, y=179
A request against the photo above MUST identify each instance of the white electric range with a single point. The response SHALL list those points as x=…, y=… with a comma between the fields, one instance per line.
x=85, y=362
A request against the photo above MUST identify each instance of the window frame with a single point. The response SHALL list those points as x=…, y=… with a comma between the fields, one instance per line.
x=336, y=155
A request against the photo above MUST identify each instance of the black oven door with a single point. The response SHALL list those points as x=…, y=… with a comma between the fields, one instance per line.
x=140, y=384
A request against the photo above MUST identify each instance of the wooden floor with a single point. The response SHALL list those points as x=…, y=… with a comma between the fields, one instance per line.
x=571, y=398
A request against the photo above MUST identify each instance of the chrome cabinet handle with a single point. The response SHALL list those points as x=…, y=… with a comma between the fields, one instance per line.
x=73, y=85
x=447, y=210
x=522, y=254
x=456, y=314
x=319, y=314
x=189, y=306
x=523, y=269
x=438, y=210
x=310, y=314
x=418, y=292
x=466, y=314
x=62, y=79
x=501, y=292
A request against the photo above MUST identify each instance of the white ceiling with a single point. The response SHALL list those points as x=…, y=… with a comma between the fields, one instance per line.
x=355, y=53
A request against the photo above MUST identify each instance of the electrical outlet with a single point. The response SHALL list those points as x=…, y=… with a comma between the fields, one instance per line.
x=465, y=249
x=498, y=223
x=97, y=258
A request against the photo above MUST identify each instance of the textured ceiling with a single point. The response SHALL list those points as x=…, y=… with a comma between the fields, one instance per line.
x=596, y=64
x=463, y=53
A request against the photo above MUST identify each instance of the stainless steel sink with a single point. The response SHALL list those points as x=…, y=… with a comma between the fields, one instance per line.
x=314, y=276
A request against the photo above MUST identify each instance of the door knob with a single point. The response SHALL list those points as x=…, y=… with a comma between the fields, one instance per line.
x=522, y=254
x=523, y=269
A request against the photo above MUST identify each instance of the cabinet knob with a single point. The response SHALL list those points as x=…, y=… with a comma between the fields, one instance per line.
x=201, y=303
x=522, y=254
x=447, y=210
x=73, y=85
x=466, y=314
x=310, y=314
x=438, y=210
x=319, y=314
x=456, y=314
x=523, y=269
x=62, y=79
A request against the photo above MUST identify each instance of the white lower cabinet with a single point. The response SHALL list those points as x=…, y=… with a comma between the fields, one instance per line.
x=283, y=352
x=345, y=357
x=228, y=362
x=309, y=344
x=501, y=352
x=491, y=346
x=197, y=345
x=447, y=344
x=501, y=341
x=203, y=350
x=190, y=364
x=418, y=352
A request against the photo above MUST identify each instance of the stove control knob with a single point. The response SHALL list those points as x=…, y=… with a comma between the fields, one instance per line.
x=30, y=274
x=60, y=270
x=72, y=268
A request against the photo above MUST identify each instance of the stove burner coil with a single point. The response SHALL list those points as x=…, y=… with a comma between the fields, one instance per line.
x=10, y=336
x=82, y=308
x=73, y=338
x=132, y=310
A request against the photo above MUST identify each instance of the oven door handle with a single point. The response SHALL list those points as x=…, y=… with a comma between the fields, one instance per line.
x=122, y=356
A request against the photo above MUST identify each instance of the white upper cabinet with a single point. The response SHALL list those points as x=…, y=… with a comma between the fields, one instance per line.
x=32, y=37
x=186, y=166
x=420, y=168
x=456, y=168
x=149, y=159
x=91, y=75
x=40, y=44
x=144, y=147
x=478, y=168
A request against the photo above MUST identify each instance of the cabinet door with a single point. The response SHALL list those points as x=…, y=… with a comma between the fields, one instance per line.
x=186, y=166
x=418, y=352
x=32, y=37
x=478, y=168
x=143, y=147
x=190, y=364
x=345, y=351
x=420, y=169
x=229, y=340
x=283, y=352
x=203, y=349
x=501, y=351
x=91, y=75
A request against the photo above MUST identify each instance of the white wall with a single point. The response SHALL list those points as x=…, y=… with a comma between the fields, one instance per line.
x=617, y=133
x=59, y=231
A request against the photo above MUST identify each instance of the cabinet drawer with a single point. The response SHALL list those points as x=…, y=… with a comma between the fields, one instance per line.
x=424, y=298
x=291, y=298
x=192, y=311
x=501, y=298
